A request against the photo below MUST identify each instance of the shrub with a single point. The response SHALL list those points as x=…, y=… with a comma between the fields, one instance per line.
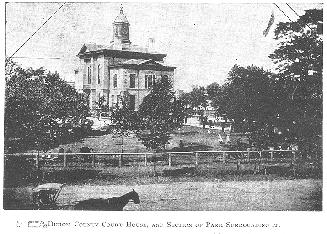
x=18, y=170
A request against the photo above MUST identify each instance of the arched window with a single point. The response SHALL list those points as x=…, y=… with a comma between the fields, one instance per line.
x=149, y=81
x=115, y=81
x=112, y=100
x=132, y=80
x=99, y=74
x=89, y=75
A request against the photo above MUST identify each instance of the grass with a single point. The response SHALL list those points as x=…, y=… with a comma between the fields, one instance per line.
x=190, y=194
x=193, y=138
x=212, y=186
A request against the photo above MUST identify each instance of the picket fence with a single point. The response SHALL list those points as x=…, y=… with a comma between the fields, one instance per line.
x=170, y=159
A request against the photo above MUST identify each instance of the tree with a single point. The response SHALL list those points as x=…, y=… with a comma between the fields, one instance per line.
x=248, y=98
x=159, y=114
x=124, y=118
x=102, y=105
x=101, y=102
x=40, y=109
x=213, y=91
x=216, y=95
x=248, y=94
x=300, y=60
x=196, y=99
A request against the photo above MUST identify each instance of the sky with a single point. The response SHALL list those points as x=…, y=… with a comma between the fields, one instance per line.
x=203, y=40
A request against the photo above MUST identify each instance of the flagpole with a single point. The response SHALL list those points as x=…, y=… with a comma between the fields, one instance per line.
x=270, y=23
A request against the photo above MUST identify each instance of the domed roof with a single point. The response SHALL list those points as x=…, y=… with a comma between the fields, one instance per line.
x=121, y=18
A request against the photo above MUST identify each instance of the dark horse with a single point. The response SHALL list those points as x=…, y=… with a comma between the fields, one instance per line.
x=114, y=203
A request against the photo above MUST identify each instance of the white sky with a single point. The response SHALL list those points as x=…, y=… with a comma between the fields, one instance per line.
x=202, y=40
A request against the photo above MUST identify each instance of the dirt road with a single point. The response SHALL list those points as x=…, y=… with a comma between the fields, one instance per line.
x=214, y=195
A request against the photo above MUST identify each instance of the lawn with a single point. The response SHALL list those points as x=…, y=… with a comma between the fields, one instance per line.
x=212, y=187
x=197, y=138
x=189, y=194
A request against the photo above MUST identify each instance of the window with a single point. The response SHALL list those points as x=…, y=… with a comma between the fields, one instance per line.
x=149, y=81
x=115, y=81
x=99, y=74
x=132, y=80
x=132, y=102
x=112, y=100
x=89, y=75
x=109, y=76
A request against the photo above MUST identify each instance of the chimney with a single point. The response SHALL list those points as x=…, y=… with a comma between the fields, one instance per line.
x=151, y=44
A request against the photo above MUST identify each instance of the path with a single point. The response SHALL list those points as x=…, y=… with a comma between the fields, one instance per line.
x=219, y=196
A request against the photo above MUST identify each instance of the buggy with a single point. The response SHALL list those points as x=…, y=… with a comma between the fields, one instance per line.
x=45, y=196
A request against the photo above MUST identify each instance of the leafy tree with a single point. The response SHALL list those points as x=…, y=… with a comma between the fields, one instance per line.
x=213, y=91
x=102, y=105
x=216, y=95
x=248, y=98
x=248, y=94
x=159, y=114
x=124, y=118
x=41, y=110
x=101, y=102
x=186, y=99
x=196, y=99
x=300, y=62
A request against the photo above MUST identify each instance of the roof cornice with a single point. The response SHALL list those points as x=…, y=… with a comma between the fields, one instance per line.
x=123, y=54
x=158, y=67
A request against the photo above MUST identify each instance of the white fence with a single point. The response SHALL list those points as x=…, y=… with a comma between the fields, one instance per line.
x=169, y=159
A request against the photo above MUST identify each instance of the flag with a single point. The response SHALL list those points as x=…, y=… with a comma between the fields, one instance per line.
x=270, y=23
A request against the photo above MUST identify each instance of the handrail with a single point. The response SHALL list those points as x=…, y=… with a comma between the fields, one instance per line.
x=196, y=154
x=151, y=153
x=243, y=151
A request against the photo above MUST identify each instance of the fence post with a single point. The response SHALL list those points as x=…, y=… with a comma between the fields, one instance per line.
x=37, y=160
x=293, y=163
x=248, y=155
x=224, y=157
x=257, y=165
x=145, y=160
x=196, y=159
x=93, y=160
x=169, y=160
x=238, y=165
x=271, y=155
x=65, y=160
x=293, y=152
x=120, y=160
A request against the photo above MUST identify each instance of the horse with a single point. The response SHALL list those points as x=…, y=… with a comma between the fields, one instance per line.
x=110, y=204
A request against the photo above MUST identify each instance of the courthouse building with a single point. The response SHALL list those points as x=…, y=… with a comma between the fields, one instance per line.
x=119, y=69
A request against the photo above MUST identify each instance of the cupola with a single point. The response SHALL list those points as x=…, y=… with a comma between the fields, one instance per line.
x=121, y=29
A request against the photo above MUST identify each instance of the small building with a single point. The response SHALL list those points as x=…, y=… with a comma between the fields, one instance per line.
x=211, y=119
x=120, y=69
x=194, y=120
